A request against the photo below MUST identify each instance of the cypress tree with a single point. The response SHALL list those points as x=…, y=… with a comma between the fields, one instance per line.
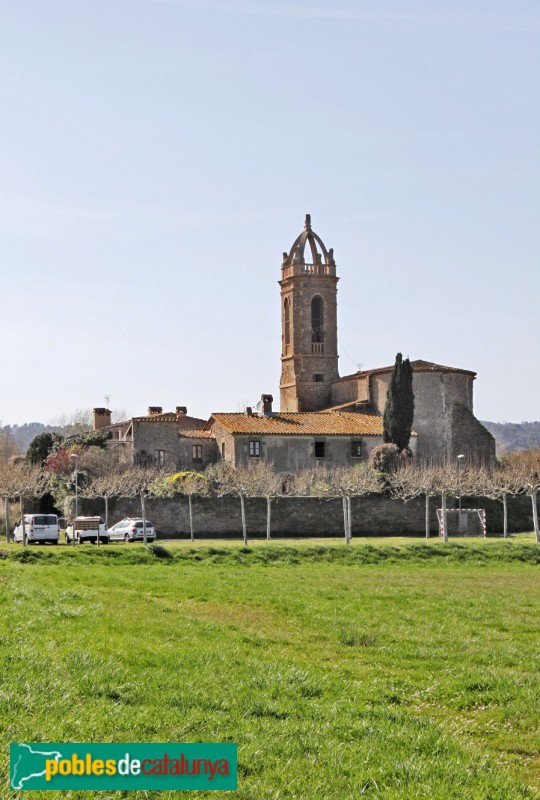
x=399, y=408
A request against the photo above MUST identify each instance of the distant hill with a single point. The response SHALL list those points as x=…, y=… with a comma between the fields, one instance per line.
x=513, y=436
x=18, y=437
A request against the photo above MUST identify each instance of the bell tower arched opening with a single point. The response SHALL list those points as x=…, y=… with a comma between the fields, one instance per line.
x=286, y=324
x=317, y=324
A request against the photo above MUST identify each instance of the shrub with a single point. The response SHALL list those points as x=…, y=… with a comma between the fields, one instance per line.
x=385, y=458
x=159, y=551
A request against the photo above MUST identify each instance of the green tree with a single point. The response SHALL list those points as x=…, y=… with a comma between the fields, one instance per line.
x=42, y=446
x=399, y=408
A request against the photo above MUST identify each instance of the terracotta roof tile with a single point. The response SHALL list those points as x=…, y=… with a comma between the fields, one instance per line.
x=418, y=366
x=183, y=421
x=196, y=434
x=351, y=405
x=308, y=423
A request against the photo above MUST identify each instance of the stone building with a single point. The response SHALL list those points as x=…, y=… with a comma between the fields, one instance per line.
x=323, y=418
x=293, y=441
x=172, y=439
x=443, y=420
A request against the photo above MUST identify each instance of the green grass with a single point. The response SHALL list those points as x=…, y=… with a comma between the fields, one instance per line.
x=393, y=671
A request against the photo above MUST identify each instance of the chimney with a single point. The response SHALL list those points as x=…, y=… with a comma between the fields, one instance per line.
x=102, y=418
x=249, y=411
x=181, y=410
x=154, y=410
x=267, y=401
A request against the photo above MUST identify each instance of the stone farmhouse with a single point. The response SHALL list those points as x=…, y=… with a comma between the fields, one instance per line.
x=323, y=418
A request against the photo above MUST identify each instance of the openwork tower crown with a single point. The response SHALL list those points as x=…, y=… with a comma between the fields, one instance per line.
x=317, y=254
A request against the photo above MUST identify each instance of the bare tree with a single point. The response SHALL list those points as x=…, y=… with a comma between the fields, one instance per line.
x=79, y=421
x=262, y=481
x=8, y=487
x=138, y=482
x=450, y=480
x=104, y=487
x=226, y=479
x=445, y=483
x=412, y=480
x=356, y=481
x=315, y=482
x=190, y=484
x=498, y=484
x=18, y=479
x=525, y=467
x=105, y=475
x=8, y=446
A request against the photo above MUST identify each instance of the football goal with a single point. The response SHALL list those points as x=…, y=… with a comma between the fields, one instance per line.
x=464, y=522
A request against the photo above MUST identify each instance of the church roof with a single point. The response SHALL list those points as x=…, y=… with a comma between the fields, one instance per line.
x=419, y=365
x=303, y=423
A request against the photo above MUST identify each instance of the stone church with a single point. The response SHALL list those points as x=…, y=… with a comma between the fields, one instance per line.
x=323, y=418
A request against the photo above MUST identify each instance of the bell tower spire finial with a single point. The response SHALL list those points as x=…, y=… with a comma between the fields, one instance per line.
x=307, y=222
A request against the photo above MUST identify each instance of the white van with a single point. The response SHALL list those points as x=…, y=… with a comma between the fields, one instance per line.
x=87, y=529
x=39, y=528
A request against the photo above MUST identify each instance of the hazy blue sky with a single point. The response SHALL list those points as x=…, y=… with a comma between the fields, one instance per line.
x=157, y=156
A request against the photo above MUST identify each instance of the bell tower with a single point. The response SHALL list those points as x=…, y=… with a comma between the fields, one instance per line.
x=309, y=357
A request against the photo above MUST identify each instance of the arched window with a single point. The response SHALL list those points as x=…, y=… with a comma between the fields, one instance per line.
x=287, y=320
x=317, y=319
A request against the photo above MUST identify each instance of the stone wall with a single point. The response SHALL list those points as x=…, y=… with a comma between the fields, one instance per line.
x=151, y=436
x=224, y=443
x=443, y=417
x=291, y=516
x=349, y=389
x=302, y=516
x=297, y=453
x=470, y=437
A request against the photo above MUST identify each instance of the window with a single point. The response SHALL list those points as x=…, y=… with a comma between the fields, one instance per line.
x=159, y=457
x=319, y=449
x=317, y=321
x=356, y=448
x=287, y=317
x=197, y=452
x=318, y=377
x=222, y=449
x=254, y=448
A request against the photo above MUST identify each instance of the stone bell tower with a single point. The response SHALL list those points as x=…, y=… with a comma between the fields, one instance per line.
x=309, y=357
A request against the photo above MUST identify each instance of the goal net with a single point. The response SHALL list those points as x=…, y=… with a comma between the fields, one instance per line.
x=464, y=522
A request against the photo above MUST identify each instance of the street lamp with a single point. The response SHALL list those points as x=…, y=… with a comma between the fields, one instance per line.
x=459, y=460
x=76, y=457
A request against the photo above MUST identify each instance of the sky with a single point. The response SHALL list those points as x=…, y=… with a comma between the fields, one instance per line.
x=158, y=156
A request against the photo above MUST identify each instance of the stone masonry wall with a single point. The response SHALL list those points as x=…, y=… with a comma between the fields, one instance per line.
x=302, y=516
x=151, y=436
x=293, y=516
x=349, y=390
x=442, y=431
x=297, y=453
x=470, y=437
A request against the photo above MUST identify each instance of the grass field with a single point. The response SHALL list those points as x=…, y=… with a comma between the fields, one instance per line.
x=391, y=671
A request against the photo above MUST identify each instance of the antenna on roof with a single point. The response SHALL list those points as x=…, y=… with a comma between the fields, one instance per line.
x=107, y=400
